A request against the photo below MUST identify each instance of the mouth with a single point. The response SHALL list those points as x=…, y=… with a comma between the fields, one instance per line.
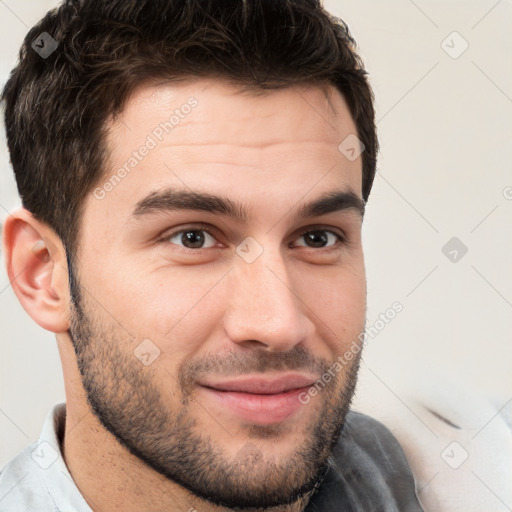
x=258, y=400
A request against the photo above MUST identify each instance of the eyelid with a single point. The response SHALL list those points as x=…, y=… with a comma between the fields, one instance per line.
x=335, y=231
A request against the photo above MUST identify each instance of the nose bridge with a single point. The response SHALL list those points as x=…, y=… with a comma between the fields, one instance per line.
x=263, y=305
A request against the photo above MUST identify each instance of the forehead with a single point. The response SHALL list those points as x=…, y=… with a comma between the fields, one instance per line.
x=300, y=109
x=216, y=137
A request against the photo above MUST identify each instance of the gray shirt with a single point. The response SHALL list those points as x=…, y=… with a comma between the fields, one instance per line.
x=367, y=472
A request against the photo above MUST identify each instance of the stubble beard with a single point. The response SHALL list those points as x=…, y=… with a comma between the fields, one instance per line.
x=129, y=405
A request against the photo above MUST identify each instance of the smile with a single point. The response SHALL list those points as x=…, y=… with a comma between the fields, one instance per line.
x=257, y=400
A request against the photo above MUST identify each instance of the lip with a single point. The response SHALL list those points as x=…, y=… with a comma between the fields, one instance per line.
x=262, y=385
x=258, y=400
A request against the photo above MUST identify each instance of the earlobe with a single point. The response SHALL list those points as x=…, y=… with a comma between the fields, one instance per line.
x=37, y=270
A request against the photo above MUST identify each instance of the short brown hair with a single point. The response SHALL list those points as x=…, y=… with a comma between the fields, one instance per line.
x=57, y=105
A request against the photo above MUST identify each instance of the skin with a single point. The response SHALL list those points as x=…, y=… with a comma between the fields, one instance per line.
x=149, y=437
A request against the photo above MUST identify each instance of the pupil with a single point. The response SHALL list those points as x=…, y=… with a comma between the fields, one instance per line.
x=193, y=238
x=317, y=237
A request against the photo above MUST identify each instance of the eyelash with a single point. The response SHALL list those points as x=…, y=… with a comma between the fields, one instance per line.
x=340, y=238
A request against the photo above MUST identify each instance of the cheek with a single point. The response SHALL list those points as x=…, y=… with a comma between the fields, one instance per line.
x=175, y=308
x=337, y=302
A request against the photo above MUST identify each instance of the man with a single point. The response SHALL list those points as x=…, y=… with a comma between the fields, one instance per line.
x=193, y=177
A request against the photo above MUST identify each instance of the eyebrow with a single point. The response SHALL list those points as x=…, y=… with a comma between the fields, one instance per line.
x=169, y=199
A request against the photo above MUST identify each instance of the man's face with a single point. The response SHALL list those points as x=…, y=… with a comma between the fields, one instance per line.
x=198, y=332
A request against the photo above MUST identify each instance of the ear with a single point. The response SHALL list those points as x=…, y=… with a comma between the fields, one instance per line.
x=37, y=269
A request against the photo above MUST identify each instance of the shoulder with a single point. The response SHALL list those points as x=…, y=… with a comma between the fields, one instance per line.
x=21, y=486
x=366, y=435
x=379, y=468
x=37, y=479
x=367, y=471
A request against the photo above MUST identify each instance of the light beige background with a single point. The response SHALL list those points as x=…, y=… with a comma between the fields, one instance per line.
x=445, y=170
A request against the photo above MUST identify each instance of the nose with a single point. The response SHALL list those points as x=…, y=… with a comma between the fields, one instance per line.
x=264, y=310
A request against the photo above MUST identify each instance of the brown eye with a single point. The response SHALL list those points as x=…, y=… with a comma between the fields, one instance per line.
x=192, y=238
x=320, y=238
